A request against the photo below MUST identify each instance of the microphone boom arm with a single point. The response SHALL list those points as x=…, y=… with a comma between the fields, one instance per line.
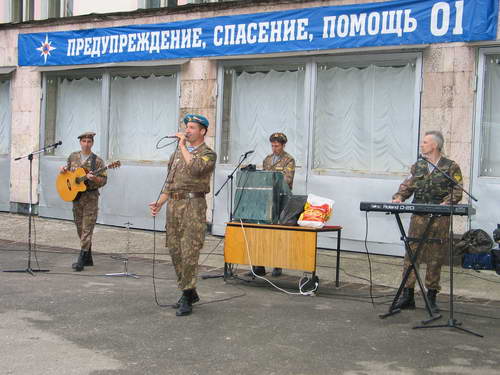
x=451, y=179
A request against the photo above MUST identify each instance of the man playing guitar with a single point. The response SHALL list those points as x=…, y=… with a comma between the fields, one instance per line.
x=85, y=205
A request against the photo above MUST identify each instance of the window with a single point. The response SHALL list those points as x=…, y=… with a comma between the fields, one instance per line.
x=73, y=106
x=258, y=101
x=22, y=10
x=364, y=117
x=68, y=8
x=143, y=109
x=158, y=3
x=54, y=8
x=4, y=115
x=490, y=124
x=153, y=3
x=16, y=11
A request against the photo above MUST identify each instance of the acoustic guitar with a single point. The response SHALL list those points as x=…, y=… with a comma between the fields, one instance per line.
x=70, y=183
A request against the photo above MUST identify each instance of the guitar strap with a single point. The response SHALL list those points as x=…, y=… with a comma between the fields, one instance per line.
x=93, y=162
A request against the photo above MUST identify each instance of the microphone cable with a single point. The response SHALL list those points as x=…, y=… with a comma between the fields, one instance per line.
x=154, y=225
x=158, y=147
x=369, y=259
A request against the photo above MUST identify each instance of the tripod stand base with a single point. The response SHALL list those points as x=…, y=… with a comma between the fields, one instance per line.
x=228, y=271
x=204, y=277
x=27, y=270
x=123, y=274
x=452, y=323
x=391, y=312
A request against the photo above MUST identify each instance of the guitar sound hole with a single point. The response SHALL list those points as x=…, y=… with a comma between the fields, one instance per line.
x=69, y=185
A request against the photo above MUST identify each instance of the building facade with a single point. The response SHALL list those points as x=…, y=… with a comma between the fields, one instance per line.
x=354, y=94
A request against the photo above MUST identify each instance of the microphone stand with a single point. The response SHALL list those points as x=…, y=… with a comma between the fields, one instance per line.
x=28, y=269
x=230, y=180
x=452, y=322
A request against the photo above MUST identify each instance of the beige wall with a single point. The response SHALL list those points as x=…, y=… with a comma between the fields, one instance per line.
x=447, y=90
x=448, y=98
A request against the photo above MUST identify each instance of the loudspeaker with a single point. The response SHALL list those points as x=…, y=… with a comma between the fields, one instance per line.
x=293, y=206
x=258, y=195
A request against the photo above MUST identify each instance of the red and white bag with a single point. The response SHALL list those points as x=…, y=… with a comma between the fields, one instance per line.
x=317, y=211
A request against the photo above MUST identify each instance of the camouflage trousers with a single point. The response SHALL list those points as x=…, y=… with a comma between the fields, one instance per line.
x=85, y=210
x=186, y=228
x=432, y=254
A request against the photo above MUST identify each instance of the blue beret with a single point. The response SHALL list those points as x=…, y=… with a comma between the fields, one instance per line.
x=202, y=120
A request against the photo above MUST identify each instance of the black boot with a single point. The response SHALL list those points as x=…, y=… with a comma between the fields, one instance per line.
x=78, y=266
x=407, y=300
x=88, y=261
x=186, y=303
x=277, y=272
x=258, y=270
x=195, y=298
x=431, y=296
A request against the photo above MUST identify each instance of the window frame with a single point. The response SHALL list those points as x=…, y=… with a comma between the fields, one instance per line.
x=478, y=118
x=8, y=78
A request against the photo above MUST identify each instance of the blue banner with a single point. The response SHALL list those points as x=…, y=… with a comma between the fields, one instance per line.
x=406, y=22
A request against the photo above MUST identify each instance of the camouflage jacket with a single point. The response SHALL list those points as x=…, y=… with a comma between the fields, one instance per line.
x=74, y=162
x=192, y=177
x=431, y=187
x=285, y=165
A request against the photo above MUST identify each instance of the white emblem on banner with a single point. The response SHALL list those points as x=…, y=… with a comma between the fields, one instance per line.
x=45, y=48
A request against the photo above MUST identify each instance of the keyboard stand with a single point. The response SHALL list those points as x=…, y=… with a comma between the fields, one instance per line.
x=413, y=267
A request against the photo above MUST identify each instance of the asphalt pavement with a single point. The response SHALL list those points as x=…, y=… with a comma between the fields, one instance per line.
x=66, y=322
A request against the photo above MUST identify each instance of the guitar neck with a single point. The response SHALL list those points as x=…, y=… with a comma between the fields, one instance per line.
x=95, y=173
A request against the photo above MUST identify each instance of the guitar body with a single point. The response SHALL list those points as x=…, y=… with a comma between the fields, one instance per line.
x=67, y=185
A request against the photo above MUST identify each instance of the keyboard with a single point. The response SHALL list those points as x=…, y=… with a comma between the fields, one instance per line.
x=417, y=208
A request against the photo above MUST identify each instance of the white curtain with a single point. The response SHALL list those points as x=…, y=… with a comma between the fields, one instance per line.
x=363, y=119
x=142, y=111
x=78, y=110
x=264, y=103
x=490, y=126
x=5, y=116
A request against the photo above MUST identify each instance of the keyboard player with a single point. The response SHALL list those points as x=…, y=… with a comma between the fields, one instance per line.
x=428, y=185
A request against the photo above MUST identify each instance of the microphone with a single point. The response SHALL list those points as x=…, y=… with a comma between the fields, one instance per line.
x=170, y=136
x=54, y=145
x=249, y=152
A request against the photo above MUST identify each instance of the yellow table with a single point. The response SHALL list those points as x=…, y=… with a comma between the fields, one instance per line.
x=290, y=247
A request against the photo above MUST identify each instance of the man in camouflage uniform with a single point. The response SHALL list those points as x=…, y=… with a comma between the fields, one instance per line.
x=278, y=161
x=428, y=185
x=188, y=181
x=85, y=205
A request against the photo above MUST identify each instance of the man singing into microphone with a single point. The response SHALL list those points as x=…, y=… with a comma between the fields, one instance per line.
x=279, y=161
x=188, y=181
x=428, y=185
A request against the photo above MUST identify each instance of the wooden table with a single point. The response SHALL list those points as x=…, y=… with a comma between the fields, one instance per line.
x=290, y=247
